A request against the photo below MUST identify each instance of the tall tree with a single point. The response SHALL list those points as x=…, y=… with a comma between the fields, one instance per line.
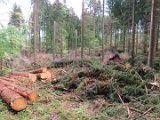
x=54, y=39
x=152, y=33
x=95, y=4
x=133, y=29
x=16, y=17
x=36, y=28
x=82, y=30
x=103, y=33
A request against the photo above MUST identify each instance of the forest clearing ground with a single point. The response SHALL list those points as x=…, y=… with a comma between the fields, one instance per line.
x=63, y=102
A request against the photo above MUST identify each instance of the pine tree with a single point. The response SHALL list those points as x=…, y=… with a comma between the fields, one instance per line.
x=16, y=17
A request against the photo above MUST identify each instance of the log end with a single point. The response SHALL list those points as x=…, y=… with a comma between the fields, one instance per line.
x=33, y=78
x=19, y=104
x=33, y=96
x=46, y=75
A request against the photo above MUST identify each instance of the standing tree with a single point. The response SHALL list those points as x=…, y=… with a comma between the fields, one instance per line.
x=152, y=33
x=36, y=28
x=82, y=30
x=103, y=33
x=16, y=17
x=133, y=29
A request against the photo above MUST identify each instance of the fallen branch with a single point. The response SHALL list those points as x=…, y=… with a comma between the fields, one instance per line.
x=127, y=107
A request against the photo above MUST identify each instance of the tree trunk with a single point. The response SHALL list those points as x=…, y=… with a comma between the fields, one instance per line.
x=76, y=32
x=95, y=5
x=36, y=28
x=133, y=30
x=23, y=77
x=54, y=40
x=103, y=33
x=157, y=41
x=124, y=39
x=152, y=33
x=15, y=101
x=145, y=38
x=109, y=31
x=31, y=95
x=137, y=41
x=128, y=42
x=61, y=45
x=82, y=30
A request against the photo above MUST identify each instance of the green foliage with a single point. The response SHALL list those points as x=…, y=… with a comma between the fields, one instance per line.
x=11, y=40
x=67, y=22
x=16, y=17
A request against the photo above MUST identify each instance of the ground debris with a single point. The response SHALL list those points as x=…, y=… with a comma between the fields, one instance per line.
x=112, y=80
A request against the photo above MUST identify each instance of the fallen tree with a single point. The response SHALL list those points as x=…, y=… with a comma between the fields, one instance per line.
x=24, y=77
x=44, y=76
x=29, y=94
x=40, y=70
x=16, y=101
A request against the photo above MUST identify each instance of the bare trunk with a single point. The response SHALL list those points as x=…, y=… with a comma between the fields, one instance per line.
x=133, y=30
x=76, y=32
x=152, y=33
x=82, y=31
x=157, y=37
x=61, y=45
x=137, y=41
x=54, y=40
x=103, y=33
x=36, y=28
x=95, y=5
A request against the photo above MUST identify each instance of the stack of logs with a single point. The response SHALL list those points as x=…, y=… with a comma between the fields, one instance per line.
x=13, y=88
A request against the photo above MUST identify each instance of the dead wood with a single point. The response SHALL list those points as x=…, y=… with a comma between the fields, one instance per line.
x=40, y=70
x=16, y=101
x=31, y=95
x=23, y=77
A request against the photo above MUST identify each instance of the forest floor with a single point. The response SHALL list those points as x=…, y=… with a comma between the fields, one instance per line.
x=91, y=90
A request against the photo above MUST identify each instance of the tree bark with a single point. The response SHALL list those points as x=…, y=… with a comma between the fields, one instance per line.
x=15, y=101
x=76, y=32
x=31, y=95
x=23, y=77
x=152, y=33
x=95, y=5
x=36, y=28
x=54, y=40
x=82, y=30
x=61, y=45
x=133, y=30
x=137, y=41
x=103, y=33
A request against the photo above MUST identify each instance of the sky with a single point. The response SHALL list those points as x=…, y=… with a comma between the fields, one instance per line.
x=6, y=8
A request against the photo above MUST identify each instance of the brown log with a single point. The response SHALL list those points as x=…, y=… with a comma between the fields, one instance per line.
x=40, y=70
x=16, y=101
x=9, y=79
x=44, y=76
x=24, y=76
x=31, y=95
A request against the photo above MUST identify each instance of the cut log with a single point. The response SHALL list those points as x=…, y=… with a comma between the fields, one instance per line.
x=40, y=70
x=24, y=76
x=9, y=79
x=16, y=101
x=44, y=76
x=31, y=95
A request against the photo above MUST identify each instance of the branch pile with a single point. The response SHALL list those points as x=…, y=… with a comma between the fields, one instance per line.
x=89, y=78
